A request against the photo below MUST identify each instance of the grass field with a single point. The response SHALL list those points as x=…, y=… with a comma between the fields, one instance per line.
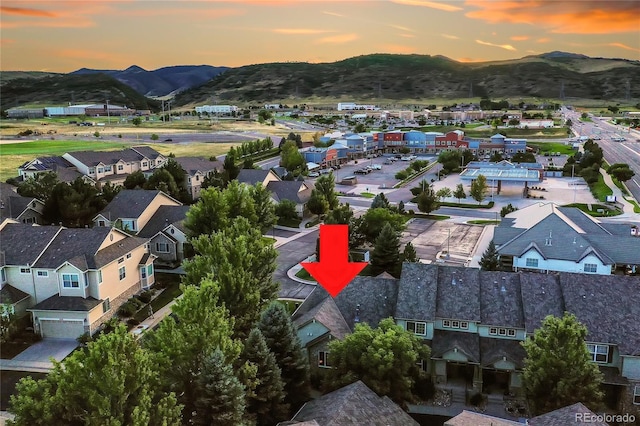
x=13, y=155
x=546, y=147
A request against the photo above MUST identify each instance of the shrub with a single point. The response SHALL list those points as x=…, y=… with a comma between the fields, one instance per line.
x=146, y=296
x=154, y=137
x=401, y=175
x=411, y=212
x=84, y=339
x=476, y=399
x=133, y=321
x=127, y=309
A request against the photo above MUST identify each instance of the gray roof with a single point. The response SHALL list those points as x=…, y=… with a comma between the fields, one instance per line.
x=12, y=206
x=68, y=175
x=470, y=418
x=621, y=229
x=467, y=343
x=608, y=306
x=417, y=292
x=500, y=299
x=79, y=246
x=541, y=296
x=570, y=239
x=492, y=350
x=93, y=158
x=252, y=176
x=163, y=217
x=130, y=203
x=290, y=190
x=67, y=303
x=354, y=404
x=368, y=300
x=458, y=295
x=27, y=242
x=147, y=152
x=563, y=416
x=327, y=313
x=48, y=163
x=192, y=165
x=10, y=295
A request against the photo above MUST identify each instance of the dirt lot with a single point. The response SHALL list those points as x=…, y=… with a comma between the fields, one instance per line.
x=430, y=237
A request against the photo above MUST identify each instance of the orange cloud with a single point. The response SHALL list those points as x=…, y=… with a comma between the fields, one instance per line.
x=299, y=31
x=401, y=28
x=447, y=7
x=6, y=41
x=561, y=16
x=543, y=40
x=21, y=11
x=501, y=46
x=333, y=14
x=624, y=46
x=398, y=48
x=450, y=37
x=471, y=60
x=338, y=39
x=407, y=35
x=519, y=38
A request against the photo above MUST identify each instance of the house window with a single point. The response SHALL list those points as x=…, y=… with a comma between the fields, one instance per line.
x=590, y=267
x=101, y=223
x=100, y=170
x=422, y=365
x=99, y=277
x=121, y=260
x=3, y=275
x=128, y=255
x=43, y=274
x=120, y=167
x=162, y=247
x=531, y=262
x=493, y=331
x=502, y=332
x=107, y=168
x=106, y=305
x=25, y=270
x=511, y=333
x=70, y=281
x=446, y=323
x=464, y=325
x=455, y=324
x=419, y=328
x=599, y=353
x=144, y=164
x=92, y=170
x=323, y=359
x=122, y=272
x=149, y=270
x=636, y=395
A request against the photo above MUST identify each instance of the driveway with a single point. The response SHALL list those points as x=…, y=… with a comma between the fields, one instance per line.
x=45, y=349
x=291, y=254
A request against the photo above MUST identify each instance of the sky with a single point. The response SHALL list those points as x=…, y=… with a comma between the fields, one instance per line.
x=63, y=36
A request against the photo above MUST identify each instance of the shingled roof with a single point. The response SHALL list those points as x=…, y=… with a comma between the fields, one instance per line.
x=501, y=299
x=27, y=242
x=458, y=295
x=130, y=203
x=417, y=291
x=541, y=296
x=327, y=313
x=192, y=165
x=93, y=158
x=163, y=217
x=252, y=176
x=354, y=404
x=470, y=418
x=296, y=191
x=368, y=300
x=563, y=416
x=67, y=303
x=467, y=343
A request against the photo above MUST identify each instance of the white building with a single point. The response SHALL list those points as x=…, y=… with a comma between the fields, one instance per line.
x=216, y=109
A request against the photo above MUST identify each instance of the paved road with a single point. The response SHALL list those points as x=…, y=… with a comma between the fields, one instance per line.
x=614, y=152
x=291, y=254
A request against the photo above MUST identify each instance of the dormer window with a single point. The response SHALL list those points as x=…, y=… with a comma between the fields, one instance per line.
x=419, y=328
x=599, y=353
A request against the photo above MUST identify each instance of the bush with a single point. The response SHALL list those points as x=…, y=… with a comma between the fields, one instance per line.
x=127, y=309
x=424, y=388
x=401, y=175
x=476, y=399
x=146, y=296
x=411, y=212
x=26, y=132
x=154, y=137
x=136, y=302
x=133, y=322
x=84, y=339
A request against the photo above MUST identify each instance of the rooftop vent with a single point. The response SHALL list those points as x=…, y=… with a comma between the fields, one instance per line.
x=357, y=317
x=503, y=289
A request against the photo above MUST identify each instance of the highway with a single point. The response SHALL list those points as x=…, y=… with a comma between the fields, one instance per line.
x=614, y=152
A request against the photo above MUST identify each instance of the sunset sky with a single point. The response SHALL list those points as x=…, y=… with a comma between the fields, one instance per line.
x=62, y=36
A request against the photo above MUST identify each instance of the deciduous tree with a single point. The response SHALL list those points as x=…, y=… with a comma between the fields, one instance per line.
x=39, y=186
x=459, y=192
x=479, y=188
x=326, y=186
x=292, y=159
x=113, y=382
x=621, y=171
x=373, y=221
x=558, y=369
x=317, y=204
x=384, y=358
x=443, y=193
x=427, y=200
x=135, y=180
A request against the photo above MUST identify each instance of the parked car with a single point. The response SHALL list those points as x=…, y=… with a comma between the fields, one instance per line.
x=376, y=166
x=314, y=175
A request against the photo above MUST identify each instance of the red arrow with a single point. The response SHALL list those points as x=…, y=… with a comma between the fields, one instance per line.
x=334, y=271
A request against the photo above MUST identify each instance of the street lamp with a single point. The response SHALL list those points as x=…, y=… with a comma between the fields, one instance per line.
x=448, y=248
x=108, y=114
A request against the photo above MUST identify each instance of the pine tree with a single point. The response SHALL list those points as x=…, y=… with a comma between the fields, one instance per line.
x=380, y=201
x=409, y=254
x=281, y=338
x=220, y=394
x=490, y=260
x=266, y=403
x=386, y=252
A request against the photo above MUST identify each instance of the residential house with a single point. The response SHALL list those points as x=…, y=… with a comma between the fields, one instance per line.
x=114, y=166
x=19, y=208
x=572, y=414
x=149, y=214
x=131, y=209
x=297, y=191
x=166, y=234
x=471, y=418
x=547, y=237
x=75, y=279
x=197, y=169
x=64, y=170
x=354, y=404
x=475, y=320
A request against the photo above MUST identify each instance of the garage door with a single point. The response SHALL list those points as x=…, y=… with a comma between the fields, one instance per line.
x=61, y=329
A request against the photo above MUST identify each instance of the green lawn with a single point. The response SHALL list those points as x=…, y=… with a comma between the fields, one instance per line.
x=170, y=293
x=547, y=147
x=484, y=222
x=463, y=205
x=58, y=147
x=291, y=223
x=432, y=216
x=600, y=190
x=594, y=209
x=303, y=274
x=367, y=194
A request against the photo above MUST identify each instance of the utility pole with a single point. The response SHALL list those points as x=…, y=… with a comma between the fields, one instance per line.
x=108, y=114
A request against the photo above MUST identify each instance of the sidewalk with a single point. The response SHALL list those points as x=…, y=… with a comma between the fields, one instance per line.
x=627, y=208
x=154, y=319
x=291, y=273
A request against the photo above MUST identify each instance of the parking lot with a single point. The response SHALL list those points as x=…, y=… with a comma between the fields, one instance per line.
x=377, y=179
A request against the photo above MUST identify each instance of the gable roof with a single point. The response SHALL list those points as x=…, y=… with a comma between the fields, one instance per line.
x=470, y=418
x=131, y=203
x=162, y=218
x=368, y=300
x=253, y=176
x=417, y=291
x=327, y=313
x=501, y=299
x=192, y=165
x=10, y=295
x=146, y=151
x=46, y=163
x=67, y=303
x=467, y=343
x=13, y=205
x=458, y=295
x=27, y=242
x=354, y=404
x=295, y=191
x=563, y=416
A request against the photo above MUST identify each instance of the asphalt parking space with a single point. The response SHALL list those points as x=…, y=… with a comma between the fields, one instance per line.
x=430, y=237
x=384, y=178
